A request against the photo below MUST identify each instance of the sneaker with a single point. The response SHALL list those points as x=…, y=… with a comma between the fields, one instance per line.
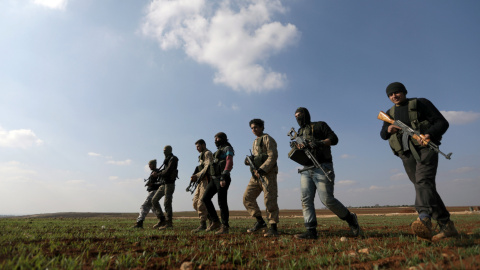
x=160, y=223
x=271, y=233
x=138, y=225
x=422, y=228
x=258, y=226
x=309, y=234
x=223, y=230
x=354, y=226
x=446, y=230
x=215, y=225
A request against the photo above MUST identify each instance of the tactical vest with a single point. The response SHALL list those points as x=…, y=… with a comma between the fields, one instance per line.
x=261, y=156
x=219, y=161
x=201, y=161
x=307, y=134
x=395, y=140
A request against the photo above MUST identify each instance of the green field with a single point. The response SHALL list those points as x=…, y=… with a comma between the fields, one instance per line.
x=110, y=243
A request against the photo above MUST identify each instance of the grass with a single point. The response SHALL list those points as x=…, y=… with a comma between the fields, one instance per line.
x=111, y=243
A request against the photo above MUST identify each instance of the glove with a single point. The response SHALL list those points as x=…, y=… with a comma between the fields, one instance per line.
x=224, y=175
x=316, y=144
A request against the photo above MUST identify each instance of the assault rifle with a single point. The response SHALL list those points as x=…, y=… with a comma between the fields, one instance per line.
x=409, y=132
x=192, y=186
x=252, y=166
x=155, y=181
x=294, y=143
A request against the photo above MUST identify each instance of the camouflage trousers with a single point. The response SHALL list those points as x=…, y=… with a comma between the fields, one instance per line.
x=270, y=195
x=198, y=204
x=147, y=206
x=167, y=191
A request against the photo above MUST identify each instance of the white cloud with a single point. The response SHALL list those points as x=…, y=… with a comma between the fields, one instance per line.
x=53, y=4
x=460, y=117
x=346, y=156
x=20, y=138
x=94, y=154
x=235, y=43
x=463, y=170
x=399, y=176
x=15, y=172
x=346, y=182
x=120, y=163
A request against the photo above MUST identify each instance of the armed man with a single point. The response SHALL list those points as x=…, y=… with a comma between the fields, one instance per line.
x=316, y=139
x=420, y=162
x=152, y=187
x=200, y=179
x=264, y=178
x=168, y=175
x=220, y=173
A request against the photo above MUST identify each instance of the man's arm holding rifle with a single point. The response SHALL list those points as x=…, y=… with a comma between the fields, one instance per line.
x=255, y=171
x=423, y=139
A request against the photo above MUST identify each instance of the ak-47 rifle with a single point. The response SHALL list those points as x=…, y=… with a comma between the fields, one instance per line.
x=297, y=140
x=252, y=166
x=192, y=186
x=155, y=180
x=409, y=132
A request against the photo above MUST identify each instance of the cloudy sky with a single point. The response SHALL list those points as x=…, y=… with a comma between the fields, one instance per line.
x=90, y=91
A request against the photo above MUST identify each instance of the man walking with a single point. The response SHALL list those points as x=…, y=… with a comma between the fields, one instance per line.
x=419, y=161
x=202, y=175
x=319, y=137
x=152, y=187
x=265, y=161
x=168, y=175
x=220, y=173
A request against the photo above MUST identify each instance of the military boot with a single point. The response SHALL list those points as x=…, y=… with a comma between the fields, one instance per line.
x=223, y=230
x=446, y=230
x=168, y=224
x=162, y=222
x=138, y=225
x=309, y=234
x=353, y=224
x=257, y=227
x=215, y=225
x=272, y=232
x=202, y=227
x=422, y=228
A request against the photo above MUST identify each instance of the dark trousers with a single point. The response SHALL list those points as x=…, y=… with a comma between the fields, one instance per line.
x=213, y=188
x=422, y=174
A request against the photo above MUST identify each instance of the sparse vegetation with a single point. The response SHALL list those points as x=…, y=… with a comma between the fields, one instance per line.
x=110, y=243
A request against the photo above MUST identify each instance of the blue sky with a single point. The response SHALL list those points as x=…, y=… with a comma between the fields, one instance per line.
x=92, y=90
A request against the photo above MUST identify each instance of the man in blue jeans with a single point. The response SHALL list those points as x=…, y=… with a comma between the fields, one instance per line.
x=319, y=137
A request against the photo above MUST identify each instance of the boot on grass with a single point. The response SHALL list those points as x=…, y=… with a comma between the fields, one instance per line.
x=309, y=234
x=223, y=230
x=138, y=225
x=422, y=228
x=161, y=222
x=446, y=230
x=168, y=224
x=201, y=228
x=272, y=232
x=215, y=225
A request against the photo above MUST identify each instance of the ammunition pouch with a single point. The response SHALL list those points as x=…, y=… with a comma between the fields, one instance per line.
x=299, y=156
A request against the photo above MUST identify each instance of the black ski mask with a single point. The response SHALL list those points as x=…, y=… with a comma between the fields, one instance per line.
x=222, y=139
x=303, y=118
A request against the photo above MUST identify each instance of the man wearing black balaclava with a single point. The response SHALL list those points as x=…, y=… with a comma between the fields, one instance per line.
x=168, y=175
x=319, y=137
x=419, y=161
x=220, y=174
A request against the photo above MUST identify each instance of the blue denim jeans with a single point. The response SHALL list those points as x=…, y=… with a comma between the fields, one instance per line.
x=315, y=180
